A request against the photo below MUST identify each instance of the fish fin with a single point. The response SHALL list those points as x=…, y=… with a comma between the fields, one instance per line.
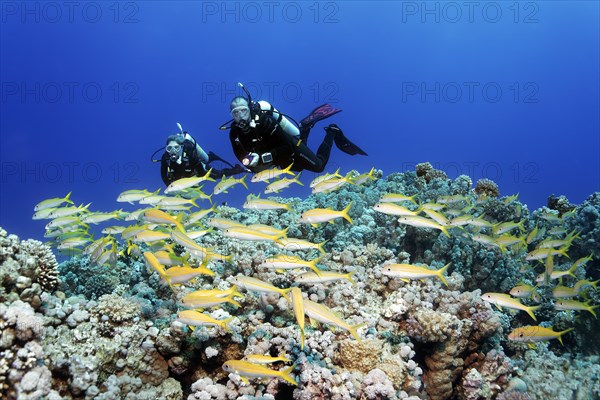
x=288, y=170
x=531, y=346
x=345, y=213
x=192, y=328
x=353, y=330
x=530, y=311
x=440, y=273
x=314, y=225
x=243, y=181
x=285, y=374
x=349, y=276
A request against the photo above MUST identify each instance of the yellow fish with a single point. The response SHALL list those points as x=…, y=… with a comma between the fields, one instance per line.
x=244, y=233
x=225, y=183
x=284, y=261
x=256, y=203
x=504, y=300
x=268, y=174
x=294, y=244
x=421, y=222
x=324, y=177
x=256, y=285
x=394, y=209
x=54, y=202
x=324, y=277
x=319, y=312
x=530, y=334
x=177, y=275
x=319, y=215
x=184, y=183
x=193, y=318
x=362, y=178
x=160, y=217
x=408, y=271
x=397, y=197
x=576, y=306
x=247, y=370
x=262, y=359
x=298, y=307
x=282, y=183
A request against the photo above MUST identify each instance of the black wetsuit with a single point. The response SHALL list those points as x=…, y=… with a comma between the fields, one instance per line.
x=284, y=148
x=191, y=165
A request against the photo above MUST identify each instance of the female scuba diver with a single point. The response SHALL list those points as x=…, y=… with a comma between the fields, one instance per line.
x=262, y=137
x=183, y=158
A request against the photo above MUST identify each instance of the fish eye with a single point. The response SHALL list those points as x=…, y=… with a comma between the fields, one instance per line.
x=520, y=335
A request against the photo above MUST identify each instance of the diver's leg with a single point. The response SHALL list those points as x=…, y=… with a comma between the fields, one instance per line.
x=318, y=114
x=305, y=159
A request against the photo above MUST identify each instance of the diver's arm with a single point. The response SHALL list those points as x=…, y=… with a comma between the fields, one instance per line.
x=286, y=126
x=237, y=147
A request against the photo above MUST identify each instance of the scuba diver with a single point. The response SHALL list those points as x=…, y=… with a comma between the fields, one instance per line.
x=183, y=158
x=262, y=137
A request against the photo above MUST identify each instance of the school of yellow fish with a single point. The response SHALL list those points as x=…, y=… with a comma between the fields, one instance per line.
x=168, y=219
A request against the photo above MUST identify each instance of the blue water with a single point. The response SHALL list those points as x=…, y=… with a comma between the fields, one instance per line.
x=503, y=90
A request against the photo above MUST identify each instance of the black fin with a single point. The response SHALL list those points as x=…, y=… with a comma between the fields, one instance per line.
x=343, y=143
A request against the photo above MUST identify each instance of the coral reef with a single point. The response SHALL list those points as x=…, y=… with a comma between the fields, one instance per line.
x=113, y=332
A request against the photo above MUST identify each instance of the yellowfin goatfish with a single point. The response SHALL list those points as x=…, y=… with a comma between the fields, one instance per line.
x=198, y=215
x=62, y=221
x=298, y=307
x=166, y=258
x=397, y=197
x=208, y=301
x=504, y=227
x=421, y=222
x=319, y=312
x=555, y=274
x=175, y=202
x=131, y=196
x=98, y=217
x=281, y=184
x=184, y=183
x=44, y=213
x=256, y=285
x=408, y=271
x=223, y=223
x=225, y=183
x=269, y=229
x=331, y=185
x=576, y=306
x=530, y=334
x=161, y=217
x=247, y=370
x=189, y=244
x=54, y=202
x=262, y=359
x=193, y=318
x=540, y=254
x=324, y=177
x=504, y=300
x=394, y=209
x=362, y=178
x=150, y=236
x=232, y=291
x=319, y=215
x=177, y=275
x=66, y=211
x=272, y=173
x=294, y=244
x=256, y=203
x=152, y=199
x=244, y=233
x=523, y=291
x=282, y=261
x=324, y=277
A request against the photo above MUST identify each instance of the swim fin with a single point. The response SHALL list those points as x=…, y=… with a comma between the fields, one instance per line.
x=319, y=114
x=343, y=143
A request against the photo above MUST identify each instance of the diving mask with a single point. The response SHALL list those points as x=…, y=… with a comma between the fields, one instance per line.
x=241, y=113
x=174, y=151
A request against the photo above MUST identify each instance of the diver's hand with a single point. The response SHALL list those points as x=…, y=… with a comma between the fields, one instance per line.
x=250, y=160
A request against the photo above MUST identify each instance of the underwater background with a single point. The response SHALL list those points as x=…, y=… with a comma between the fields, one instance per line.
x=460, y=105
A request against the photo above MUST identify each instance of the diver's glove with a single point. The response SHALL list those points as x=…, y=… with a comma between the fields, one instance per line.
x=250, y=159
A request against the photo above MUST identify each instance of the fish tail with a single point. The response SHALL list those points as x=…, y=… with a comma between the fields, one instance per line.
x=288, y=170
x=242, y=180
x=223, y=324
x=313, y=265
x=443, y=229
x=67, y=198
x=353, y=330
x=178, y=222
x=345, y=213
x=349, y=276
x=320, y=246
x=297, y=179
x=284, y=294
x=562, y=333
x=285, y=374
x=440, y=273
x=591, y=310
x=230, y=300
x=530, y=310
x=235, y=292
